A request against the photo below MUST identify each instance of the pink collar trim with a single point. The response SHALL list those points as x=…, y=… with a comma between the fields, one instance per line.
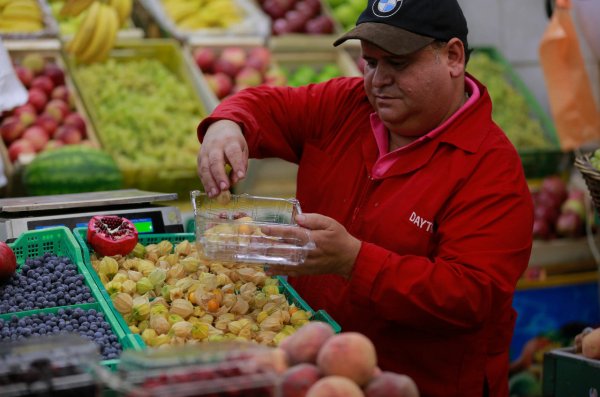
x=386, y=158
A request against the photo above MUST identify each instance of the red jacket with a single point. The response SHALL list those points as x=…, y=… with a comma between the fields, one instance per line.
x=446, y=231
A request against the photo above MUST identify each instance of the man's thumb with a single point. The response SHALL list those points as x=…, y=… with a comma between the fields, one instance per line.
x=312, y=221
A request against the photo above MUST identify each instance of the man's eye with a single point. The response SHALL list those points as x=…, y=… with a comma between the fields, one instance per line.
x=370, y=64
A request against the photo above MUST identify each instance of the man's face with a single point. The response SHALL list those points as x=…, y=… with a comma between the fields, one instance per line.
x=412, y=94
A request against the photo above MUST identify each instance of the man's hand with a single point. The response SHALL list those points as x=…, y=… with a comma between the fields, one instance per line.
x=335, y=253
x=223, y=144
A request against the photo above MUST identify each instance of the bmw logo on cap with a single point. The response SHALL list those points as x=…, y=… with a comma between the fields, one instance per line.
x=386, y=8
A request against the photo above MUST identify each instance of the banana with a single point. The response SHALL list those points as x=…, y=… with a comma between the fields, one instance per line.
x=123, y=8
x=104, y=36
x=22, y=10
x=180, y=10
x=72, y=8
x=83, y=35
x=20, y=25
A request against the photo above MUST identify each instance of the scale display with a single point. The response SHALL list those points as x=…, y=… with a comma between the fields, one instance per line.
x=143, y=225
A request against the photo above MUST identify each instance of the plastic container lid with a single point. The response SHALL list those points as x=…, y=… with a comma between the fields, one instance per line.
x=250, y=229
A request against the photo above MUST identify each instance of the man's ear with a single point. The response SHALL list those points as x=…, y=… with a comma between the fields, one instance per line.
x=456, y=57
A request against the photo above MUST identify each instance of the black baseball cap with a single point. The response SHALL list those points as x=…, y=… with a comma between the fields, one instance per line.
x=401, y=27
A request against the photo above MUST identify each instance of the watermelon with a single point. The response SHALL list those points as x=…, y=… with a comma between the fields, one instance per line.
x=71, y=169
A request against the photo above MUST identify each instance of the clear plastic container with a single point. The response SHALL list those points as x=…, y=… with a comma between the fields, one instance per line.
x=54, y=365
x=250, y=229
x=216, y=369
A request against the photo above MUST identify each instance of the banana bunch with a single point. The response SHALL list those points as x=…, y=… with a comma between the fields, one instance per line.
x=98, y=30
x=20, y=16
x=202, y=14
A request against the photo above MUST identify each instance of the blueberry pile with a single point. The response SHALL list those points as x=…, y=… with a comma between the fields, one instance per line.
x=45, y=281
x=87, y=323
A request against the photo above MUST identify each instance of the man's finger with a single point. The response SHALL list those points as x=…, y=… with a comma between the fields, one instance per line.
x=313, y=221
x=216, y=164
x=238, y=159
x=210, y=185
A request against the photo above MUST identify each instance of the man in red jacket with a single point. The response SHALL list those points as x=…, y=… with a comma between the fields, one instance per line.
x=416, y=200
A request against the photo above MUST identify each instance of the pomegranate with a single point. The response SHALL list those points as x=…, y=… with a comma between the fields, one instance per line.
x=8, y=261
x=111, y=235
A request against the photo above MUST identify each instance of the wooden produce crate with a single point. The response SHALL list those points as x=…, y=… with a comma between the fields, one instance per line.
x=50, y=50
x=151, y=15
x=50, y=29
x=153, y=147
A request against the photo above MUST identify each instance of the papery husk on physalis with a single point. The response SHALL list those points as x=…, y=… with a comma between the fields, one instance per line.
x=159, y=323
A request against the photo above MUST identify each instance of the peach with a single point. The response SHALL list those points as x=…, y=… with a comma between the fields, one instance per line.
x=61, y=92
x=389, y=384
x=38, y=98
x=68, y=134
x=48, y=123
x=303, y=345
x=298, y=379
x=35, y=62
x=334, y=386
x=348, y=354
x=205, y=58
x=76, y=121
x=220, y=83
x=24, y=74
x=259, y=58
x=55, y=73
x=248, y=77
x=58, y=109
x=44, y=83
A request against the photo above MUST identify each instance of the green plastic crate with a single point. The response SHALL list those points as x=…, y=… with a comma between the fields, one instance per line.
x=290, y=293
x=60, y=241
x=537, y=162
x=567, y=374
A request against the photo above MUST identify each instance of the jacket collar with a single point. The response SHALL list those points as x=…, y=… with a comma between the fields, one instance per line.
x=466, y=132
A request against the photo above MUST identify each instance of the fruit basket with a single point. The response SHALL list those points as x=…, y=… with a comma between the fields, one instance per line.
x=146, y=240
x=201, y=22
x=591, y=175
x=520, y=115
x=250, y=229
x=147, y=117
x=45, y=246
x=57, y=110
x=39, y=24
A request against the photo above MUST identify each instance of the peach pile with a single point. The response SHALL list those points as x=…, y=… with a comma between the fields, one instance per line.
x=325, y=364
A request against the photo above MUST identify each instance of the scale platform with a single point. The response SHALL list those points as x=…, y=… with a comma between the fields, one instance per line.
x=21, y=214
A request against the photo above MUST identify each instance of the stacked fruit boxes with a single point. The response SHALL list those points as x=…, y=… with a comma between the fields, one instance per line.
x=567, y=374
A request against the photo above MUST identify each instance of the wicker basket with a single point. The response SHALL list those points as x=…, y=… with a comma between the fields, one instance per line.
x=591, y=175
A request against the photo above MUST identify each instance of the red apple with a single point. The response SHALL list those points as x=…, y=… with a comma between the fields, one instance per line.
x=234, y=58
x=248, y=77
x=259, y=58
x=220, y=83
x=61, y=92
x=205, y=58
x=275, y=76
x=281, y=26
x=19, y=148
x=58, y=109
x=25, y=75
x=11, y=129
x=68, y=134
x=320, y=25
x=48, y=123
x=277, y=8
x=37, y=136
x=76, y=121
x=307, y=9
x=44, y=83
x=35, y=62
x=38, y=99
x=55, y=73
x=26, y=113
x=296, y=20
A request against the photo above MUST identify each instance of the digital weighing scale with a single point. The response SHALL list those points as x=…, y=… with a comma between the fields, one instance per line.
x=18, y=215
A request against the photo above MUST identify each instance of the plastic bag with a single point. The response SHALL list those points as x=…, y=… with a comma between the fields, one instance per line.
x=572, y=103
x=12, y=92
